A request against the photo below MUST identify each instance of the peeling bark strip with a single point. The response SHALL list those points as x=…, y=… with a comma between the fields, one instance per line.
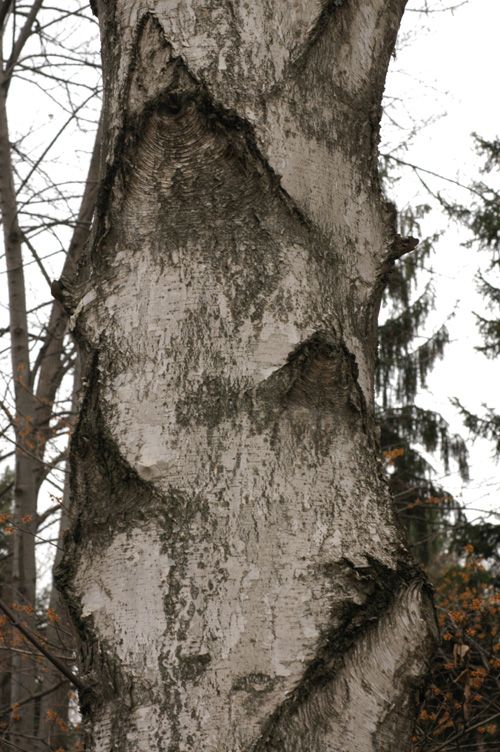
x=235, y=570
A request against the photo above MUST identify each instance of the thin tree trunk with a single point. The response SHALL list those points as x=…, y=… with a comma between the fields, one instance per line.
x=50, y=360
x=23, y=673
x=60, y=634
x=236, y=573
x=5, y=634
x=54, y=707
x=52, y=729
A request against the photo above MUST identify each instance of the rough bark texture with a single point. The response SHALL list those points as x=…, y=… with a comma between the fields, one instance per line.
x=235, y=569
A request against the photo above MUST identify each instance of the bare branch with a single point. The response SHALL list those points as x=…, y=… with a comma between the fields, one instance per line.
x=41, y=648
x=4, y=11
x=21, y=41
x=431, y=172
x=35, y=697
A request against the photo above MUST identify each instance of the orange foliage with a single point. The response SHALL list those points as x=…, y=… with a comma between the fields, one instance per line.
x=52, y=615
x=464, y=690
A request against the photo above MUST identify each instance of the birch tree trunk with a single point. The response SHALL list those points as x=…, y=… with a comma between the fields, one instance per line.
x=236, y=571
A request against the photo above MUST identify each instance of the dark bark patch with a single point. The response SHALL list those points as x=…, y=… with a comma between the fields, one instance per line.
x=325, y=375
x=320, y=377
x=107, y=487
x=255, y=684
x=190, y=667
x=298, y=721
x=322, y=22
x=318, y=380
x=188, y=176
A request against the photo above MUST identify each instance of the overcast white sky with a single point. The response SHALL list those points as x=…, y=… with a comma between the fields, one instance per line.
x=446, y=71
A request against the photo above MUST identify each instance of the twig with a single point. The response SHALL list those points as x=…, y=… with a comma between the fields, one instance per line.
x=41, y=648
x=435, y=174
x=33, y=698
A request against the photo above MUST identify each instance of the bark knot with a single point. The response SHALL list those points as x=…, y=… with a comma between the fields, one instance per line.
x=324, y=374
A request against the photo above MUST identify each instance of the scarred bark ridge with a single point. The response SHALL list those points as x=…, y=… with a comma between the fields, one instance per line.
x=320, y=702
x=160, y=84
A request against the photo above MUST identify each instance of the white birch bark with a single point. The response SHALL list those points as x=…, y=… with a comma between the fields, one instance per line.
x=236, y=571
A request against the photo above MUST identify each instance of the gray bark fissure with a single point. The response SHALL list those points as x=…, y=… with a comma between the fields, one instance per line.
x=237, y=574
x=172, y=90
x=320, y=703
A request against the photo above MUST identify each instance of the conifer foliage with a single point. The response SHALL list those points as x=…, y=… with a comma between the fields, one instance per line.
x=407, y=430
x=482, y=217
x=461, y=707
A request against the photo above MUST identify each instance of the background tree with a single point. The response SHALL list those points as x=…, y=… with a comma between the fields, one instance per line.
x=482, y=217
x=6, y=508
x=406, y=357
x=39, y=209
x=461, y=705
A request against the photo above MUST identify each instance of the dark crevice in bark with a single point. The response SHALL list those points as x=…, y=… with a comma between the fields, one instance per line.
x=320, y=375
x=380, y=587
x=330, y=7
x=102, y=476
x=181, y=89
x=325, y=374
x=320, y=50
x=109, y=491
